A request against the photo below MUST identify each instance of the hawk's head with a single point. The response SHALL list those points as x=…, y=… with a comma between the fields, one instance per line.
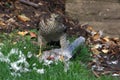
x=56, y=17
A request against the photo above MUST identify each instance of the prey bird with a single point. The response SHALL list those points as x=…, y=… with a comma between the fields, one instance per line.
x=51, y=28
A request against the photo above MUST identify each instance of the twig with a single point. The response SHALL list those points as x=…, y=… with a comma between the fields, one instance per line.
x=95, y=74
x=29, y=3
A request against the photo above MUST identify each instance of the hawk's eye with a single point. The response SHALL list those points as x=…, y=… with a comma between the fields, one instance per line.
x=56, y=18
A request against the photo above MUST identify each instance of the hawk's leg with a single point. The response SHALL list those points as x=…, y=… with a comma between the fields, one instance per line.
x=41, y=43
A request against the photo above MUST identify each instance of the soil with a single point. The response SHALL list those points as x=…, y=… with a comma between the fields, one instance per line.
x=9, y=20
x=7, y=12
x=101, y=14
x=10, y=10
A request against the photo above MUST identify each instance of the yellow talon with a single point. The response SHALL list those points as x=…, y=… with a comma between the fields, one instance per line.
x=40, y=51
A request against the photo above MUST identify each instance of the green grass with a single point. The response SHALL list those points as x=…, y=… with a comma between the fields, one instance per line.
x=78, y=70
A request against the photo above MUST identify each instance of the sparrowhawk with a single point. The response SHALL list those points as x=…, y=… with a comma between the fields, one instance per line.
x=51, y=28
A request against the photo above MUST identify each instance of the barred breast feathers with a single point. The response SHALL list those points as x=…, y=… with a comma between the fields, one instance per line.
x=51, y=24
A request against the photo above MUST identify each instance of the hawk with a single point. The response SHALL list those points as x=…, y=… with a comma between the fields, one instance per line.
x=51, y=28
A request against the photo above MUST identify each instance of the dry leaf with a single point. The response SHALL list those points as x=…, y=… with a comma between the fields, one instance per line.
x=95, y=51
x=89, y=28
x=23, y=18
x=97, y=46
x=96, y=36
x=105, y=50
x=23, y=33
x=116, y=38
x=2, y=23
x=11, y=20
x=106, y=39
x=33, y=35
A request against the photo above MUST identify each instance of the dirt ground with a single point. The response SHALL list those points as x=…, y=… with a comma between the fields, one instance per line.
x=10, y=20
x=101, y=14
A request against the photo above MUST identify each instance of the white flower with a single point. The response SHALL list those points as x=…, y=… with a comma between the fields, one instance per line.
x=1, y=54
x=22, y=57
x=40, y=71
x=25, y=47
x=1, y=44
x=15, y=74
x=15, y=66
x=34, y=64
x=34, y=68
x=21, y=65
x=29, y=54
x=4, y=58
x=25, y=70
x=13, y=51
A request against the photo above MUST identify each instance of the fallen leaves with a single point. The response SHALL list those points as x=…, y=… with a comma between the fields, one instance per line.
x=2, y=23
x=95, y=51
x=33, y=34
x=106, y=39
x=96, y=36
x=105, y=50
x=23, y=18
x=24, y=33
x=20, y=65
x=7, y=23
x=106, y=53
